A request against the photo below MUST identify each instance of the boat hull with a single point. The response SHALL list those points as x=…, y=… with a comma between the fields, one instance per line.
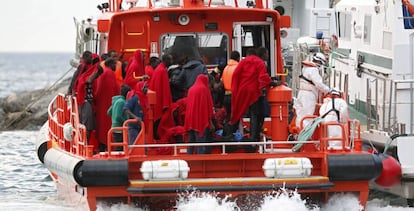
x=222, y=180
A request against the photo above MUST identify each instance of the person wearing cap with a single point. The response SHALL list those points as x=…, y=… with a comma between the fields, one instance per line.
x=310, y=86
x=334, y=109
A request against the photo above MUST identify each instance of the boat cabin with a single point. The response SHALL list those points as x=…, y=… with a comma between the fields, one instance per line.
x=207, y=30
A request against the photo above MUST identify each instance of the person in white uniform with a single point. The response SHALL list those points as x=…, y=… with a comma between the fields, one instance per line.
x=311, y=85
x=334, y=109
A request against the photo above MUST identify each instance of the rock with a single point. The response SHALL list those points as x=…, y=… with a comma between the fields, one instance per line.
x=12, y=104
x=28, y=110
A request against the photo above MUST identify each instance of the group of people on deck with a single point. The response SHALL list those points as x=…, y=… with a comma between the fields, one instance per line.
x=190, y=101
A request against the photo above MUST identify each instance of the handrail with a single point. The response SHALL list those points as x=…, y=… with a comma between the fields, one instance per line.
x=59, y=113
x=349, y=141
x=222, y=144
x=51, y=121
x=63, y=110
x=56, y=120
x=126, y=147
x=325, y=135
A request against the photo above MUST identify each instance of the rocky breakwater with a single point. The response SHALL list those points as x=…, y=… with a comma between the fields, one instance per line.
x=28, y=110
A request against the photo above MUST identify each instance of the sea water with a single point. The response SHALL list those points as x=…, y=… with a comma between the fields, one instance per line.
x=29, y=71
x=25, y=183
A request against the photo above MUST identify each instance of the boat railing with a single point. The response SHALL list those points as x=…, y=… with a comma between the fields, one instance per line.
x=126, y=149
x=64, y=126
x=115, y=5
x=79, y=140
x=112, y=145
x=349, y=138
x=385, y=98
x=55, y=120
x=271, y=145
x=141, y=148
x=318, y=142
x=349, y=141
x=340, y=57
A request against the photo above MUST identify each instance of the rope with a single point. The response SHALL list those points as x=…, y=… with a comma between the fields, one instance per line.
x=306, y=133
x=23, y=114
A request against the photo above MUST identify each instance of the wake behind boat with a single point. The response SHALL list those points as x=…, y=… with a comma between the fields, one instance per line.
x=151, y=173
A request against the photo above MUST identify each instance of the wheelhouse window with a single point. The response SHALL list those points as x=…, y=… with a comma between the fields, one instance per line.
x=211, y=48
x=387, y=40
x=367, y=30
x=323, y=25
x=248, y=35
x=344, y=23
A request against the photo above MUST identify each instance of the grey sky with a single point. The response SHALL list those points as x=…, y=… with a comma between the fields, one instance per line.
x=42, y=25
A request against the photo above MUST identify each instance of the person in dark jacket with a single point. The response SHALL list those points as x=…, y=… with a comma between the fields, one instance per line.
x=189, y=73
x=135, y=108
x=191, y=70
x=174, y=71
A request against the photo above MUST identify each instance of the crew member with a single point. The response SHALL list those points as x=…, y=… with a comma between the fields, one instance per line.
x=310, y=86
x=334, y=109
